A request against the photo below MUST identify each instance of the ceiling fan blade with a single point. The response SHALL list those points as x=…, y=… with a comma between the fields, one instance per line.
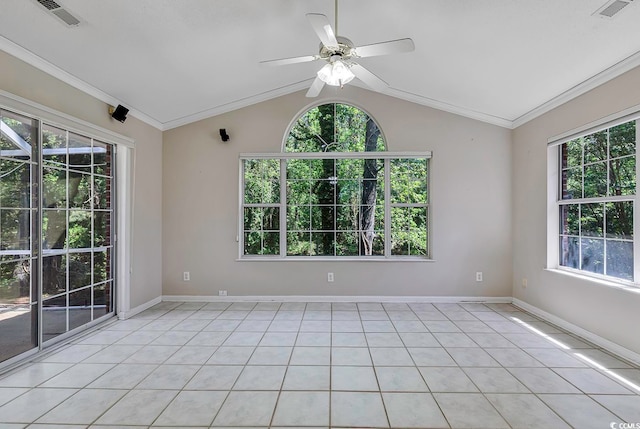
x=315, y=88
x=385, y=48
x=322, y=27
x=294, y=60
x=370, y=79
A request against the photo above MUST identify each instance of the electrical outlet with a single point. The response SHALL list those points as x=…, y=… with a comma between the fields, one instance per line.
x=330, y=277
x=479, y=276
x=525, y=283
x=222, y=293
x=186, y=276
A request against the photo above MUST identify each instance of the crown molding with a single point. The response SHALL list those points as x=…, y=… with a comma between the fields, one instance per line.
x=40, y=63
x=238, y=104
x=593, y=82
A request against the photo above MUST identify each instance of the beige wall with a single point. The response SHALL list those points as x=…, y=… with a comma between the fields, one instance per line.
x=471, y=204
x=21, y=79
x=611, y=313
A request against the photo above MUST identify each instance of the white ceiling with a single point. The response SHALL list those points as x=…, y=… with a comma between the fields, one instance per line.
x=176, y=61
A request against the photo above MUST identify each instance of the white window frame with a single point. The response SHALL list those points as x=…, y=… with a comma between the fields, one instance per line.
x=284, y=156
x=555, y=201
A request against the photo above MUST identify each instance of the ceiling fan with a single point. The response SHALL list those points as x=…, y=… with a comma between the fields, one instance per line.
x=340, y=55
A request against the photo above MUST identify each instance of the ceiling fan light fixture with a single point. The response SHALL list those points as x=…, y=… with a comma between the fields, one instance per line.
x=336, y=73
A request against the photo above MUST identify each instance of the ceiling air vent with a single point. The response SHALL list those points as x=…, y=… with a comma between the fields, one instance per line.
x=612, y=7
x=59, y=11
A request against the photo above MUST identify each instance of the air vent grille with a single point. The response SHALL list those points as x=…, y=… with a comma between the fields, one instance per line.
x=66, y=16
x=612, y=8
x=56, y=9
x=49, y=4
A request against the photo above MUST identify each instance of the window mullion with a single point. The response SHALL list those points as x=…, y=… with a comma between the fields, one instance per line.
x=387, y=208
x=636, y=222
x=283, y=207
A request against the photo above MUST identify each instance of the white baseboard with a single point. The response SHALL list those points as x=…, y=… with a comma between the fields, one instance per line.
x=338, y=298
x=123, y=315
x=574, y=329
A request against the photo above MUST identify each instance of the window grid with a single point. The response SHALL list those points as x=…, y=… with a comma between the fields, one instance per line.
x=383, y=208
x=616, y=246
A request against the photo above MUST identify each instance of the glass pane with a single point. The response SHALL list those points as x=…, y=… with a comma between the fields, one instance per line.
x=348, y=192
x=347, y=218
x=399, y=242
x=298, y=218
x=322, y=218
x=571, y=153
x=595, y=147
x=101, y=192
x=298, y=192
x=298, y=244
x=54, y=228
x=102, y=266
x=253, y=218
x=15, y=283
x=79, y=308
x=592, y=255
x=79, y=229
x=79, y=270
x=15, y=229
x=323, y=191
x=271, y=244
x=79, y=190
x=18, y=134
x=620, y=259
x=252, y=243
x=622, y=139
x=101, y=228
x=79, y=153
x=378, y=244
x=408, y=179
x=261, y=181
x=54, y=146
x=102, y=154
x=592, y=220
x=54, y=192
x=570, y=219
x=572, y=183
x=622, y=176
x=102, y=298
x=298, y=169
x=18, y=329
x=350, y=168
x=54, y=317
x=323, y=243
x=595, y=180
x=620, y=219
x=271, y=219
x=15, y=184
x=54, y=275
x=570, y=252
x=347, y=244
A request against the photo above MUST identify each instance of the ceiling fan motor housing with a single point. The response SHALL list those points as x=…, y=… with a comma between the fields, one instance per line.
x=344, y=49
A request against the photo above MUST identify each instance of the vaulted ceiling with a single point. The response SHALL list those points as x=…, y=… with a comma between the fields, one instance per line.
x=176, y=61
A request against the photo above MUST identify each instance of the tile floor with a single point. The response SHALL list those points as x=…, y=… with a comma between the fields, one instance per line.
x=338, y=365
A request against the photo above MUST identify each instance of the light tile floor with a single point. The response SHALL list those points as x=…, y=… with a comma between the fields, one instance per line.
x=322, y=365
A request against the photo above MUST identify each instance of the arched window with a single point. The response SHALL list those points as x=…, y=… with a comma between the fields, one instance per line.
x=334, y=192
x=334, y=127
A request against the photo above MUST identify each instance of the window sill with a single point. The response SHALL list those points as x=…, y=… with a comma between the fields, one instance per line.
x=331, y=259
x=626, y=286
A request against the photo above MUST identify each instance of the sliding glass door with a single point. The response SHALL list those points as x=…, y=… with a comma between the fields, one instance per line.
x=56, y=232
x=18, y=234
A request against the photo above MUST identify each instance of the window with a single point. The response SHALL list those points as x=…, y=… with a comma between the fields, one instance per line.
x=334, y=192
x=597, y=191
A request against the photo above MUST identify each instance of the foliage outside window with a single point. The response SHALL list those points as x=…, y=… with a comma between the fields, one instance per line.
x=335, y=192
x=597, y=194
